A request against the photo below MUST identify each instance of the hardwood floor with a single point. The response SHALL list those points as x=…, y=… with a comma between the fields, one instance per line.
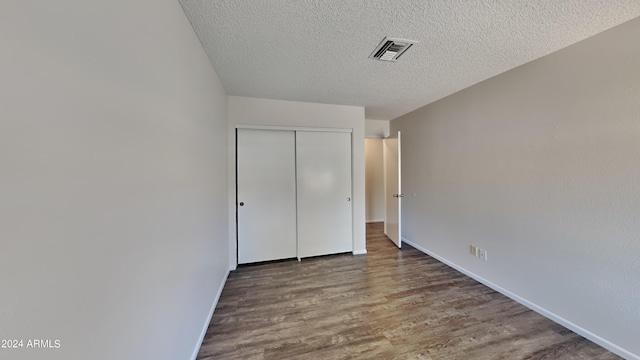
x=388, y=304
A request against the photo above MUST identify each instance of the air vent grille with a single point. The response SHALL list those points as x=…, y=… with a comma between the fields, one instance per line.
x=390, y=49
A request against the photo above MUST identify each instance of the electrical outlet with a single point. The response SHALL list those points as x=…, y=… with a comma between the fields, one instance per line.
x=483, y=254
x=473, y=250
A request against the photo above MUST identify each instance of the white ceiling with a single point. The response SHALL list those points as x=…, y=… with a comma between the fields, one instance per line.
x=317, y=50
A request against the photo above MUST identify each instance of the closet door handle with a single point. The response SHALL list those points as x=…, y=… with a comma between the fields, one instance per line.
x=348, y=199
x=241, y=203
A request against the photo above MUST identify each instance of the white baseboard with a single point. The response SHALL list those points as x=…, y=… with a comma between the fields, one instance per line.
x=206, y=325
x=359, y=252
x=540, y=310
x=373, y=221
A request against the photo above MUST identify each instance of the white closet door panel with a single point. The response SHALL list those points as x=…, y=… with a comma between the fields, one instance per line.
x=266, y=199
x=323, y=162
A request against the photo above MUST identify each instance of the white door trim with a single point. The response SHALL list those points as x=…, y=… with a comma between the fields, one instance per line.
x=292, y=128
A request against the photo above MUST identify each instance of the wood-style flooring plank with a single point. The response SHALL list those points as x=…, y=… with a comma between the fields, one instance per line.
x=388, y=304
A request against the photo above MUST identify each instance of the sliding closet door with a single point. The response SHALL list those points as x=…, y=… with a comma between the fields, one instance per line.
x=323, y=162
x=266, y=200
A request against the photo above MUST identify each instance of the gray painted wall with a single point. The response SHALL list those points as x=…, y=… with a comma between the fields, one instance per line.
x=113, y=183
x=541, y=167
x=296, y=114
x=374, y=180
x=374, y=131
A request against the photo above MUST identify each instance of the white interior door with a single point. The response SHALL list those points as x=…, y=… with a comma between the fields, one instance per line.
x=324, y=193
x=392, y=189
x=266, y=195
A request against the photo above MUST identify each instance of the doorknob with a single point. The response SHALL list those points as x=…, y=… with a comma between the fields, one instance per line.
x=241, y=203
x=348, y=199
x=398, y=195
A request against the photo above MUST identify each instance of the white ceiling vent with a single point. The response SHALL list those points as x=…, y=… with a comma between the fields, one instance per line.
x=390, y=49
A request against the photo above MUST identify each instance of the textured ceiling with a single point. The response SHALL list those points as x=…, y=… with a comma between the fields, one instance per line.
x=317, y=50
